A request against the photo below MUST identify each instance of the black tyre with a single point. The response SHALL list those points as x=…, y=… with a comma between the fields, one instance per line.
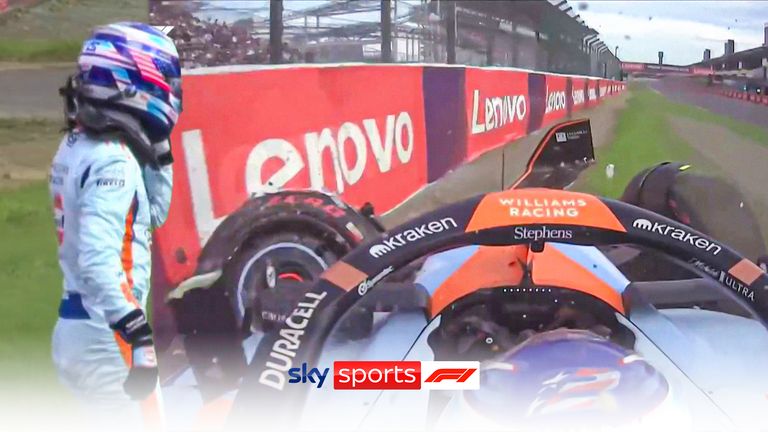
x=269, y=251
x=300, y=234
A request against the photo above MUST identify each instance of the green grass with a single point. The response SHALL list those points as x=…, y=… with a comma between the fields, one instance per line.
x=642, y=139
x=31, y=283
x=26, y=130
x=54, y=30
x=39, y=50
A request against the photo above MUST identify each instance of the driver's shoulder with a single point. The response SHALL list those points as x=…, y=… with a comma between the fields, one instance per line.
x=99, y=151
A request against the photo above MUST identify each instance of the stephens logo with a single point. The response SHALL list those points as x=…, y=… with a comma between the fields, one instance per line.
x=561, y=137
x=543, y=233
x=367, y=284
x=284, y=349
x=678, y=234
x=411, y=235
x=499, y=111
x=543, y=207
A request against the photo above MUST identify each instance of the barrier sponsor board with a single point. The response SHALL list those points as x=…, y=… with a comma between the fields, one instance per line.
x=373, y=133
x=556, y=102
x=319, y=128
x=579, y=93
x=736, y=94
x=497, y=108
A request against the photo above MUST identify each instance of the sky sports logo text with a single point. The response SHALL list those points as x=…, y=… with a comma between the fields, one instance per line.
x=392, y=375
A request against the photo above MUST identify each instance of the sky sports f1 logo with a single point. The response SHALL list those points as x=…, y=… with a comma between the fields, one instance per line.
x=393, y=375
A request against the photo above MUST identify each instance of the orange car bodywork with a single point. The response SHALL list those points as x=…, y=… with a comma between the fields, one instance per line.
x=497, y=266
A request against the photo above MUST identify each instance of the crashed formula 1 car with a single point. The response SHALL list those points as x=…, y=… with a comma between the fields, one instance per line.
x=647, y=311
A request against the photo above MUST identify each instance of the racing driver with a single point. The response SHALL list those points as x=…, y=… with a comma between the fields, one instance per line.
x=111, y=182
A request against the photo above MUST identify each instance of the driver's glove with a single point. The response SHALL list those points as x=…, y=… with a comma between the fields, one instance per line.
x=142, y=375
x=163, y=152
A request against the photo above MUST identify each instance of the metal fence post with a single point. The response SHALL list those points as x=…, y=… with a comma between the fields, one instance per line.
x=386, y=31
x=275, y=31
x=450, y=30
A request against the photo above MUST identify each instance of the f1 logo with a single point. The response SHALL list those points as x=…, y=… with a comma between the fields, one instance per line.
x=458, y=375
x=451, y=375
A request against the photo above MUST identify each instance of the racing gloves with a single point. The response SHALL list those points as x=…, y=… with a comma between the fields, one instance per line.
x=159, y=186
x=163, y=152
x=142, y=375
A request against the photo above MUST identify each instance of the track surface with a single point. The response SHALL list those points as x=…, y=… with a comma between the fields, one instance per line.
x=741, y=160
x=687, y=91
x=32, y=91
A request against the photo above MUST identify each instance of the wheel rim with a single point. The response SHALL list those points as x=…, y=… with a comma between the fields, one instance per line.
x=242, y=291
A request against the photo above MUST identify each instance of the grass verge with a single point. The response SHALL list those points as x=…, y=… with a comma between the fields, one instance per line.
x=54, y=30
x=642, y=138
x=39, y=50
x=31, y=281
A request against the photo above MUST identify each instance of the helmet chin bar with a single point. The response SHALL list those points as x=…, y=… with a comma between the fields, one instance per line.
x=69, y=92
x=91, y=114
x=482, y=220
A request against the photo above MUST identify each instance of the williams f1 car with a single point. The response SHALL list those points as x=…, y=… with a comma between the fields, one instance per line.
x=643, y=312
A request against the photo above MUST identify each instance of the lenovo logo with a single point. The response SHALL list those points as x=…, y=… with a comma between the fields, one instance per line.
x=331, y=158
x=555, y=101
x=493, y=112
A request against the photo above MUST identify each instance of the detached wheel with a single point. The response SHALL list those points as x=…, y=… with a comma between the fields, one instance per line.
x=270, y=273
x=291, y=238
x=269, y=252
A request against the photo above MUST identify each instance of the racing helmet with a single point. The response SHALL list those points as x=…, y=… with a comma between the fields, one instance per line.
x=562, y=378
x=128, y=78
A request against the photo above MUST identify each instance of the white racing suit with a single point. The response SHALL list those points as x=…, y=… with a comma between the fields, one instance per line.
x=105, y=205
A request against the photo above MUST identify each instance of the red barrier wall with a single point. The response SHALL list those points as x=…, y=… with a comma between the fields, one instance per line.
x=358, y=130
x=557, y=99
x=759, y=99
x=497, y=105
